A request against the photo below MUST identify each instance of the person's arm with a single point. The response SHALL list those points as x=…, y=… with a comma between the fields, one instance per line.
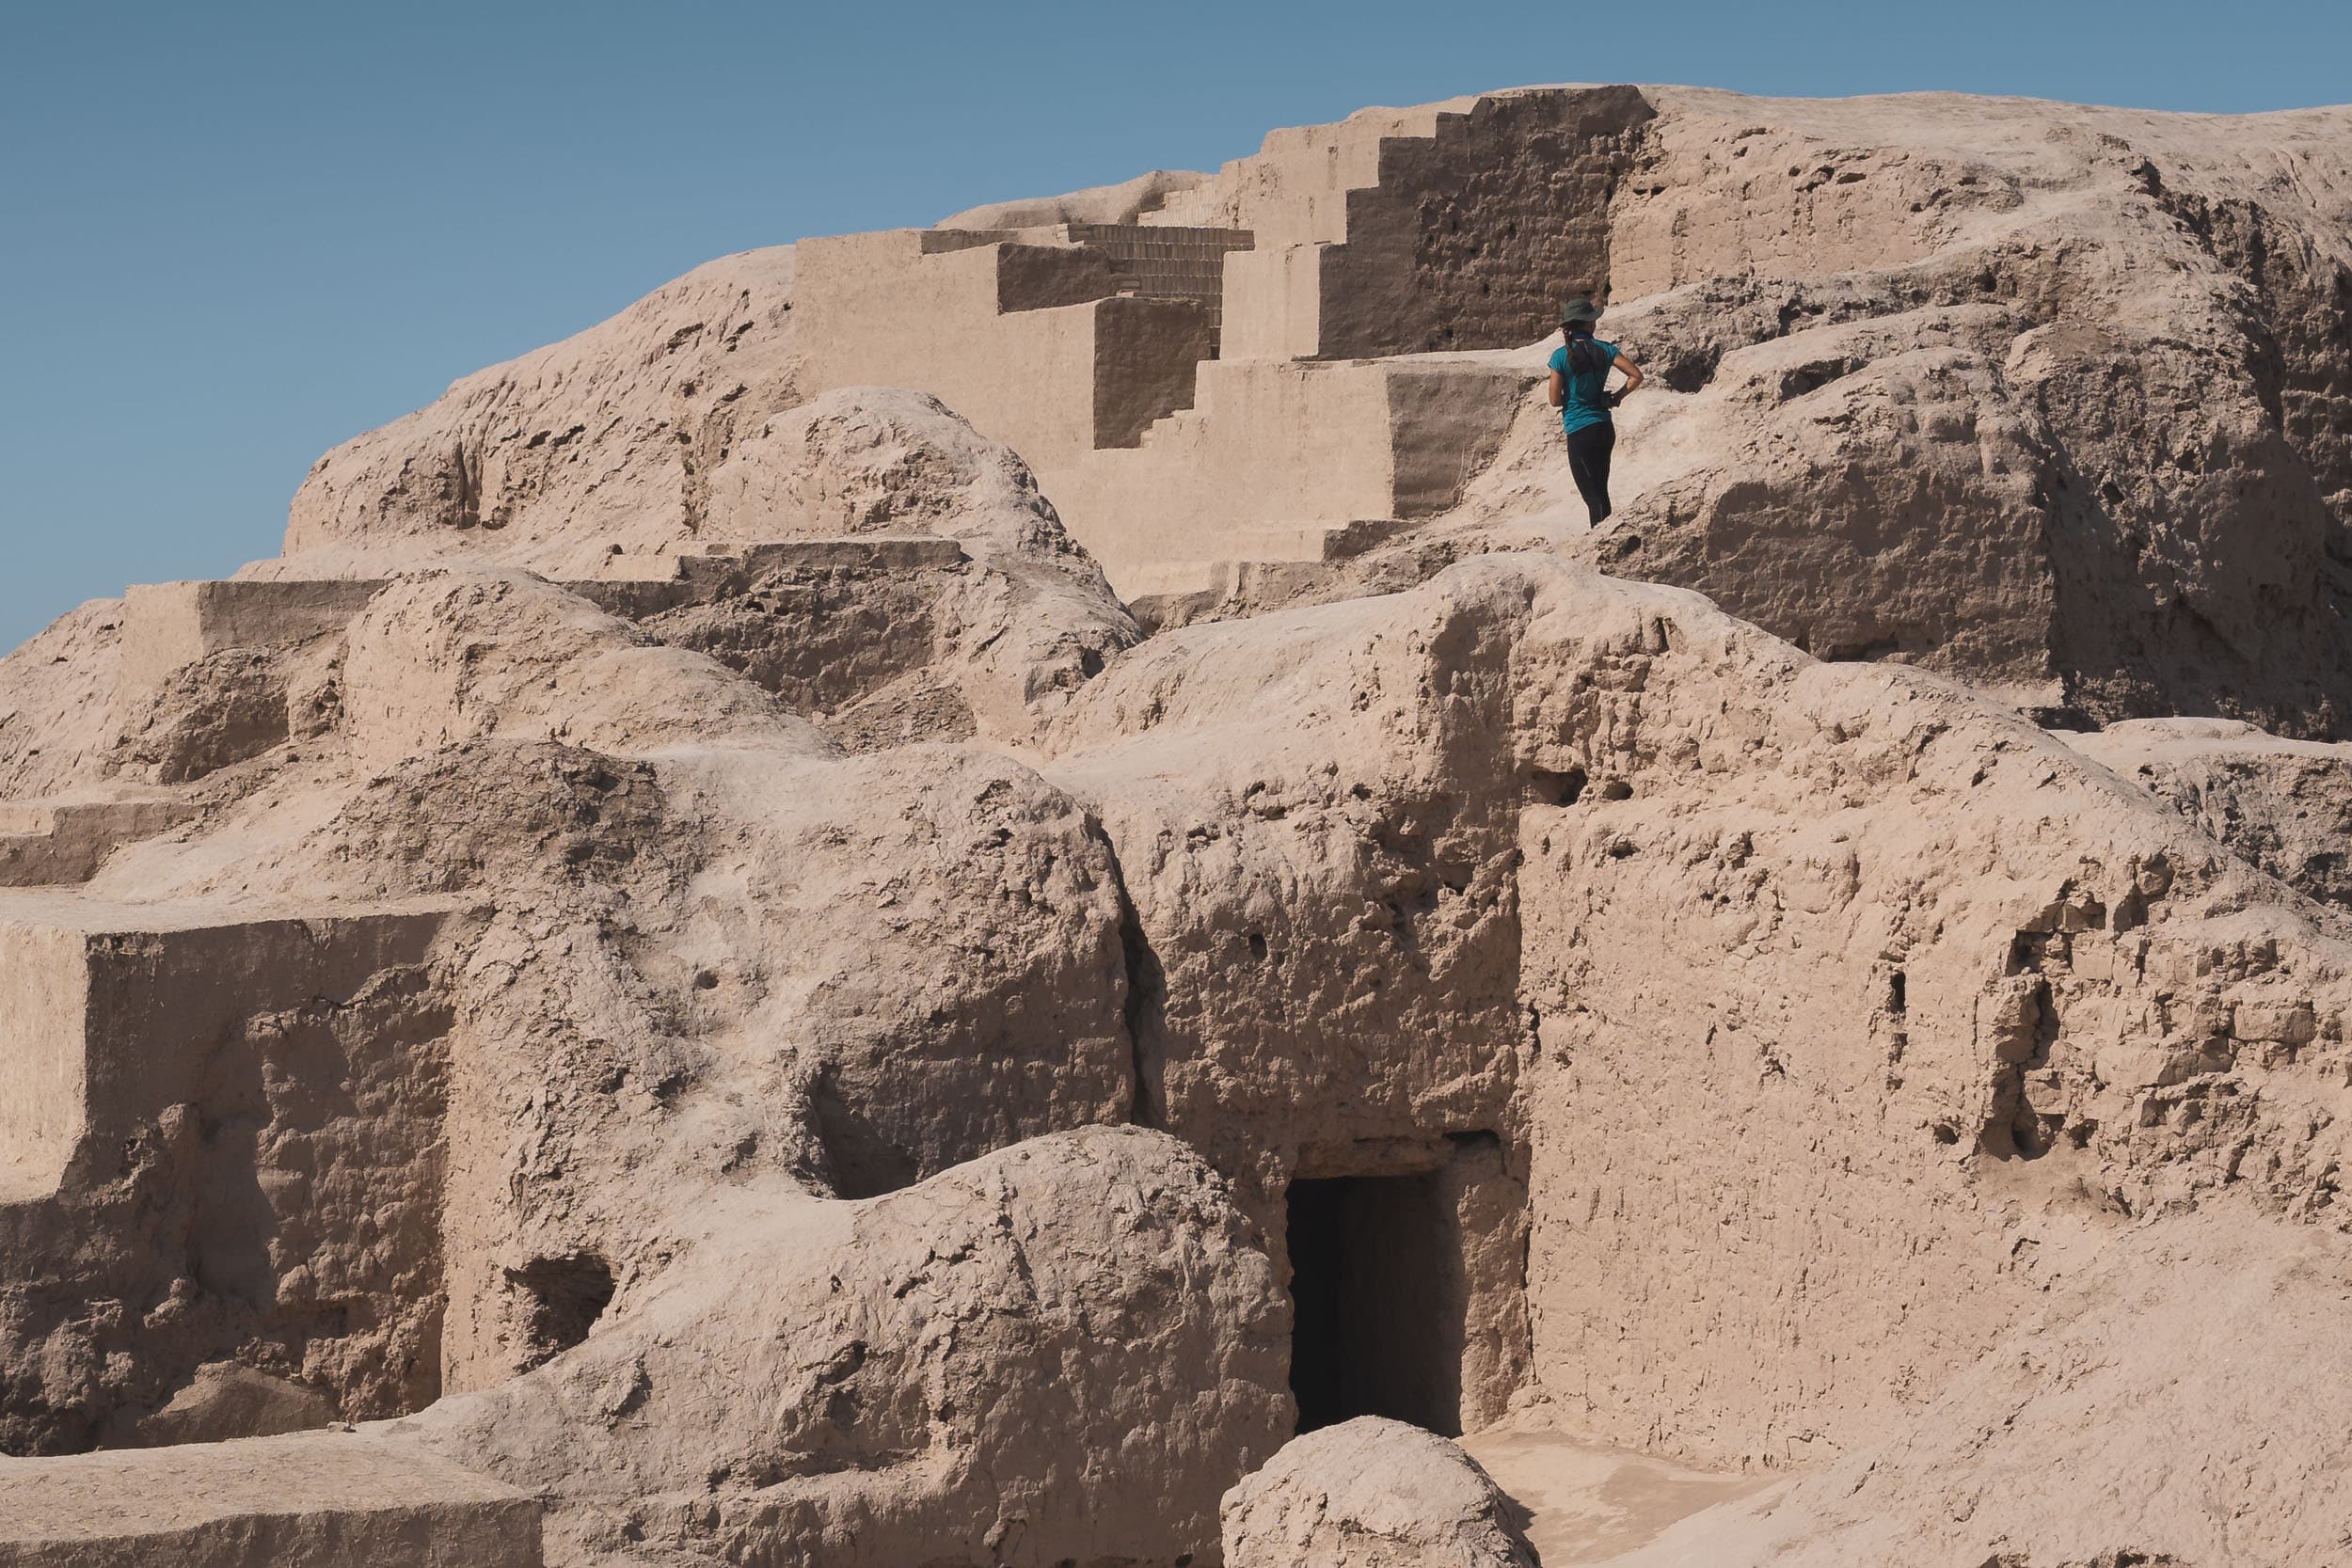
x=1559, y=389
x=1632, y=373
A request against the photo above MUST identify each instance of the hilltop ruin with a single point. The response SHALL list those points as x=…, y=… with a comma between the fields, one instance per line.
x=911, y=904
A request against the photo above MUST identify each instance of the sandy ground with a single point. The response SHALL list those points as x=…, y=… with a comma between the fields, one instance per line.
x=1591, y=1503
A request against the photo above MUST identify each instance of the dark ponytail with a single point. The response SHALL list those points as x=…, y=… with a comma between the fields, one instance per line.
x=1583, y=359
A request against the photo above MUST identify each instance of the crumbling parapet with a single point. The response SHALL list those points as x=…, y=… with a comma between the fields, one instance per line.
x=168, y=625
x=65, y=839
x=234, y=1125
x=119, y=1007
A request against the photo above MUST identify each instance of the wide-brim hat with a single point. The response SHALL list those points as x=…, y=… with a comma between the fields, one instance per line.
x=1579, y=310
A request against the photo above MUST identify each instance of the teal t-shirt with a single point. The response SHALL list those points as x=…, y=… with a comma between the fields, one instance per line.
x=1583, y=401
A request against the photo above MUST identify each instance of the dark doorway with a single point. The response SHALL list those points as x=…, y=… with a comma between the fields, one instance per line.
x=1377, y=1284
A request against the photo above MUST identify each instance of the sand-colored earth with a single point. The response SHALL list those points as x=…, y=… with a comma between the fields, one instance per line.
x=1028, y=894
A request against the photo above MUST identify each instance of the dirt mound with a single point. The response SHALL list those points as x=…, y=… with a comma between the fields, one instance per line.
x=607, y=439
x=1372, y=1493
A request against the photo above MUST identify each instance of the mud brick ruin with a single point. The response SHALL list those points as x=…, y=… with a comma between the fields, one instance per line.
x=1026, y=893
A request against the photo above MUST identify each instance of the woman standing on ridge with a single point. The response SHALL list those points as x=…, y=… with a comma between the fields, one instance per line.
x=1580, y=389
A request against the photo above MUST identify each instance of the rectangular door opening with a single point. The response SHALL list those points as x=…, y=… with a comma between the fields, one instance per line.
x=1377, y=1284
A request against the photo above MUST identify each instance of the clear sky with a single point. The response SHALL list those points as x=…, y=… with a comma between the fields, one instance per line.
x=235, y=232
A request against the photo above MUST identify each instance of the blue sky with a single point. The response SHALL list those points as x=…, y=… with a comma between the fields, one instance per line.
x=232, y=235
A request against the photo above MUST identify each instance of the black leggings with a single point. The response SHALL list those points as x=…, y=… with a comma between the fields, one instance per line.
x=1589, y=450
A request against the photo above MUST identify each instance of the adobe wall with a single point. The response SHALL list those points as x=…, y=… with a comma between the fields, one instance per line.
x=66, y=839
x=1275, y=448
x=1472, y=237
x=1164, y=262
x=1029, y=342
x=159, y=996
x=168, y=625
x=1267, y=439
x=1447, y=419
x=1466, y=235
x=1293, y=189
x=1004, y=333
x=44, y=989
x=236, y=1123
x=1274, y=303
x=1445, y=227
